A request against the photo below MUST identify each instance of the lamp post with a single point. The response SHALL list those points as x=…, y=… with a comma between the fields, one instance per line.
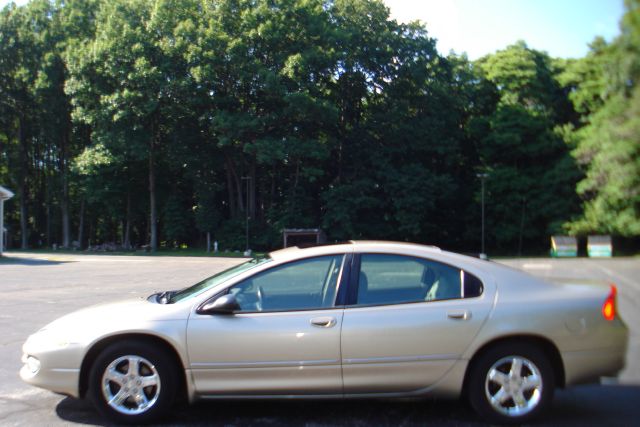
x=483, y=177
x=246, y=250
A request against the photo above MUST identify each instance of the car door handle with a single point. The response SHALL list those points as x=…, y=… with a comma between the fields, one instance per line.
x=323, y=322
x=459, y=315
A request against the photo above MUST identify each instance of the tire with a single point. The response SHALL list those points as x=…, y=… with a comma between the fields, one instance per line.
x=501, y=394
x=133, y=382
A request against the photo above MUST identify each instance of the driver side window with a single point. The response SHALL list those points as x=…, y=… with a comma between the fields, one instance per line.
x=301, y=285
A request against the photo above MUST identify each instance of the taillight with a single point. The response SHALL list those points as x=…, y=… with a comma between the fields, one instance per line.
x=609, y=306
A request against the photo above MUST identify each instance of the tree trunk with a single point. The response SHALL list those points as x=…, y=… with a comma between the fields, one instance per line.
x=153, y=215
x=47, y=211
x=296, y=180
x=232, y=195
x=252, y=191
x=39, y=186
x=92, y=229
x=64, y=203
x=524, y=202
x=23, y=218
x=24, y=171
x=45, y=194
x=272, y=197
x=66, y=238
x=235, y=184
x=127, y=227
x=81, y=225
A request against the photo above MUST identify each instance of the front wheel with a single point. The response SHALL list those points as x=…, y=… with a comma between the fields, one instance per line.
x=511, y=383
x=133, y=383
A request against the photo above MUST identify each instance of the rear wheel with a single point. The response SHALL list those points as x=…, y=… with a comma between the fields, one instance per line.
x=511, y=383
x=133, y=383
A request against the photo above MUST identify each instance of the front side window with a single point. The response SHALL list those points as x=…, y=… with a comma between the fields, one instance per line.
x=394, y=279
x=301, y=285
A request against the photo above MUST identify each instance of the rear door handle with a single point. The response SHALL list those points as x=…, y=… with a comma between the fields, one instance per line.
x=459, y=314
x=323, y=322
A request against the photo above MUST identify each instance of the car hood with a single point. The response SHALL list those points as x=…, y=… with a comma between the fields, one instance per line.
x=133, y=314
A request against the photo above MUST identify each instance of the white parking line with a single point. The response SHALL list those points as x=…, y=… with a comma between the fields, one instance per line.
x=619, y=278
x=531, y=266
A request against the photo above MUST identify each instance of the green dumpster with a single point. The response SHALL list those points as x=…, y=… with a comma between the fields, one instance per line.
x=564, y=246
x=599, y=246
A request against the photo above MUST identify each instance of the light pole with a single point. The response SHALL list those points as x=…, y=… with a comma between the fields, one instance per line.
x=247, y=179
x=483, y=177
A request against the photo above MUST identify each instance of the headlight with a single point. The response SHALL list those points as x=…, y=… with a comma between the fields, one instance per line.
x=32, y=363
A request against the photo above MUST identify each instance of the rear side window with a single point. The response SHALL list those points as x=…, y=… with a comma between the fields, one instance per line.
x=395, y=279
x=472, y=285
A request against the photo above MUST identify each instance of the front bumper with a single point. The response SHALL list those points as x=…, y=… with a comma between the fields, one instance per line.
x=54, y=367
x=59, y=380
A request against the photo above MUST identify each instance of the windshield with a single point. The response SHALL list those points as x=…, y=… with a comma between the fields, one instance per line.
x=216, y=279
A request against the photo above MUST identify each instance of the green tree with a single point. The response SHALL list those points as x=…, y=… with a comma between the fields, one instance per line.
x=608, y=137
x=161, y=121
x=531, y=175
x=20, y=50
x=129, y=82
x=41, y=140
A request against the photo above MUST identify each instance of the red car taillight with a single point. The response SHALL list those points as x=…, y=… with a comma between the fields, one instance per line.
x=609, y=306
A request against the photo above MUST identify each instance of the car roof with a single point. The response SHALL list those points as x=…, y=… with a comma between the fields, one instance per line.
x=295, y=252
x=390, y=247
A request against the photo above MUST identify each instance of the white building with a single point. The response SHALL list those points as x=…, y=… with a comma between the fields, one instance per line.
x=4, y=195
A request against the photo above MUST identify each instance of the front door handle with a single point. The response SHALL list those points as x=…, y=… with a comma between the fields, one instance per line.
x=323, y=322
x=459, y=314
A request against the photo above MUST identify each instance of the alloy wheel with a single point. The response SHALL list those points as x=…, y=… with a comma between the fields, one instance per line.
x=131, y=385
x=513, y=386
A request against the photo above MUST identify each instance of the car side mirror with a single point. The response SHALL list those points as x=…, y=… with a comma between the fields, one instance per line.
x=224, y=304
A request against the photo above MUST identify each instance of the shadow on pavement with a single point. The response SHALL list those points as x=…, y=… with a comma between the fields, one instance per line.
x=595, y=405
x=579, y=406
x=296, y=412
x=79, y=411
x=8, y=260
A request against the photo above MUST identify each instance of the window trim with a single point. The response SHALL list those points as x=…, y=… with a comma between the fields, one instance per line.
x=344, y=280
x=354, y=282
x=352, y=292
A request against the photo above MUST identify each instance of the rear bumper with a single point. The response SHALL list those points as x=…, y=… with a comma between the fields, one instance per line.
x=589, y=366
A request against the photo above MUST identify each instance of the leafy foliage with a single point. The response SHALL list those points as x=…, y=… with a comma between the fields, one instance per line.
x=607, y=140
x=158, y=121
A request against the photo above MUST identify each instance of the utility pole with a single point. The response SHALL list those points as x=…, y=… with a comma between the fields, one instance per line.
x=247, y=179
x=483, y=177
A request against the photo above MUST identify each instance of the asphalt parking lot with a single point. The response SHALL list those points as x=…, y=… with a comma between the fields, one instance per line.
x=35, y=289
